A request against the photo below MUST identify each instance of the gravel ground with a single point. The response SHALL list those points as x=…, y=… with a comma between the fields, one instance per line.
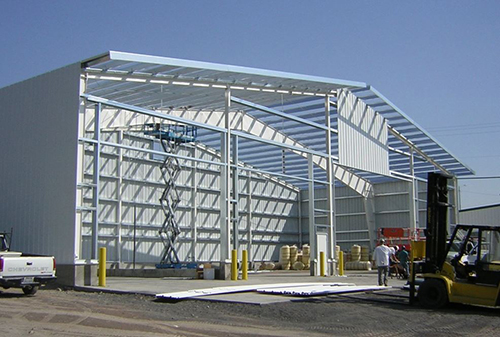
x=70, y=313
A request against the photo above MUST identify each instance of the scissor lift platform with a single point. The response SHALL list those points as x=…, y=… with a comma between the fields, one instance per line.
x=170, y=136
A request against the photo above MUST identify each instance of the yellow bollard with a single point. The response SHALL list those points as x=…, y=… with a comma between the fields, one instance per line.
x=102, y=267
x=341, y=263
x=322, y=263
x=234, y=265
x=244, y=265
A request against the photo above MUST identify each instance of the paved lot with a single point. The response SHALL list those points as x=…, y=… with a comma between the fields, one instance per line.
x=55, y=312
x=153, y=286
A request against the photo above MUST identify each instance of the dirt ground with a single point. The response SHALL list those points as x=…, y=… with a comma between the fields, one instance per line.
x=55, y=312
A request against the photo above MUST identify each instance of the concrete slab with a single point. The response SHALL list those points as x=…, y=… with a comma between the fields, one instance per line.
x=251, y=298
x=321, y=289
x=274, y=293
x=245, y=288
x=153, y=286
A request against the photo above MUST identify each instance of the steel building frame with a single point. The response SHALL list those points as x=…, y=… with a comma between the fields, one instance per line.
x=284, y=125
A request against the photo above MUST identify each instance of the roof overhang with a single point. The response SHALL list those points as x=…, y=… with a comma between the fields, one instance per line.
x=291, y=104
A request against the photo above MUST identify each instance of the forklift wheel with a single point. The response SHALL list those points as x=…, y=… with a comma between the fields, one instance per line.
x=432, y=294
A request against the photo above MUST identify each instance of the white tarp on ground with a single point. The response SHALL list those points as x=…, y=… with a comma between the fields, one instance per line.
x=315, y=290
x=291, y=289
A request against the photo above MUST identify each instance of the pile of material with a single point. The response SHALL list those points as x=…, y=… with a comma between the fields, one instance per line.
x=292, y=258
x=285, y=257
x=359, y=259
x=289, y=289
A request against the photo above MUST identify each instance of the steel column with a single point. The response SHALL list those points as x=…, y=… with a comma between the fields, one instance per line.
x=312, y=225
x=225, y=218
x=97, y=168
x=235, y=194
x=412, y=197
x=119, y=197
x=330, y=190
x=194, y=211
x=249, y=216
x=299, y=210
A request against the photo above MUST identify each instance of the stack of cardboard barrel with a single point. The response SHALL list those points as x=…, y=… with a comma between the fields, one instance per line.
x=292, y=258
x=359, y=259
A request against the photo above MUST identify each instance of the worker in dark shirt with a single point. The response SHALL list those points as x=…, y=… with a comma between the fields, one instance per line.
x=403, y=258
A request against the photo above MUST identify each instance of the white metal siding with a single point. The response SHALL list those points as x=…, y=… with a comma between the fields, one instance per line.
x=38, y=181
x=391, y=210
x=362, y=135
x=273, y=207
x=482, y=215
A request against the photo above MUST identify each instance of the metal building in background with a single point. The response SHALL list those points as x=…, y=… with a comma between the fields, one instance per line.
x=279, y=158
x=485, y=215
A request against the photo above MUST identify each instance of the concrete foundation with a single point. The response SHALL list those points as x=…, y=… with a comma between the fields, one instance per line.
x=77, y=274
x=223, y=271
x=153, y=273
x=329, y=270
x=87, y=274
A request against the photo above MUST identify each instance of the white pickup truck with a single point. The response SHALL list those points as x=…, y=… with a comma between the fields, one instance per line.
x=25, y=272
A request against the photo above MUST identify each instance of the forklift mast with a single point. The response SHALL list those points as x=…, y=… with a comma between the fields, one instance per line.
x=437, y=221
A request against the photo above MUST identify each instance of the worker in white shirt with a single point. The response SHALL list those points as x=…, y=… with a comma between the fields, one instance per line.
x=381, y=258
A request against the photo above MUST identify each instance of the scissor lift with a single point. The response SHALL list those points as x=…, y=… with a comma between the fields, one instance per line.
x=170, y=137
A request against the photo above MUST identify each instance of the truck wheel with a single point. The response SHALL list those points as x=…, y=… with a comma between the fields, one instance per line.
x=432, y=294
x=30, y=290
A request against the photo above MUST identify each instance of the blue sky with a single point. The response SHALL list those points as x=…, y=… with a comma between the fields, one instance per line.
x=438, y=61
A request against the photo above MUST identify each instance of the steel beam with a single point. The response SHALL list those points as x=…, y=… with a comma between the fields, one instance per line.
x=235, y=219
x=312, y=224
x=225, y=179
x=277, y=113
x=250, y=216
x=413, y=196
x=330, y=190
x=278, y=144
x=194, y=209
x=151, y=113
x=96, y=181
x=417, y=150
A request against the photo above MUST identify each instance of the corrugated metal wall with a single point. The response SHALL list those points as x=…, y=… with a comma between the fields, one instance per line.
x=38, y=165
x=362, y=135
x=132, y=180
x=488, y=215
x=268, y=210
x=391, y=210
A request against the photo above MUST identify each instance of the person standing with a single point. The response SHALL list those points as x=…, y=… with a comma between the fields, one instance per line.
x=403, y=257
x=381, y=258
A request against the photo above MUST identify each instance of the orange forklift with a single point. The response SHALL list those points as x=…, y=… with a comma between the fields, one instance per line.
x=461, y=268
